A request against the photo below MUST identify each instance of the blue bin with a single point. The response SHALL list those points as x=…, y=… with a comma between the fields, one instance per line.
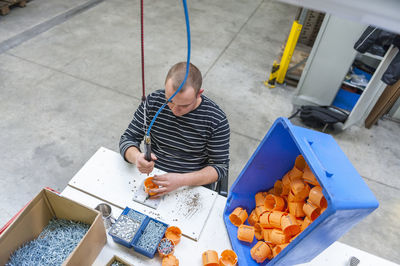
x=152, y=252
x=349, y=198
x=121, y=241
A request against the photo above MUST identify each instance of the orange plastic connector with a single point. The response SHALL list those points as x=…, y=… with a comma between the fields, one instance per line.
x=253, y=218
x=312, y=211
x=260, y=197
x=270, y=255
x=228, y=258
x=260, y=252
x=289, y=225
x=285, y=189
x=266, y=234
x=299, y=221
x=317, y=197
x=173, y=233
x=246, y=233
x=274, y=203
x=278, y=187
x=286, y=180
x=277, y=249
x=170, y=260
x=309, y=177
x=210, y=258
x=299, y=190
x=300, y=163
x=148, y=185
x=296, y=208
x=295, y=174
x=275, y=218
x=258, y=231
x=286, y=209
x=305, y=223
x=277, y=237
x=264, y=220
x=271, y=191
x=238, y=216
x=260, y=210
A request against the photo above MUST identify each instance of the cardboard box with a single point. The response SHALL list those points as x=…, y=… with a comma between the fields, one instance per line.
x=45, y=206
x=116, y=258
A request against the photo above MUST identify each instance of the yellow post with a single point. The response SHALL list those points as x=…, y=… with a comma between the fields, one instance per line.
x=278, y=71
x=288, y=52
x=272, y=77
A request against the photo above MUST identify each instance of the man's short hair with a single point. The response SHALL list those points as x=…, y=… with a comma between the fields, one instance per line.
x=177, y=74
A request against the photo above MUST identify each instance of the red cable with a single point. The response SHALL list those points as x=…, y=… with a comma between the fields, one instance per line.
x=142, y=50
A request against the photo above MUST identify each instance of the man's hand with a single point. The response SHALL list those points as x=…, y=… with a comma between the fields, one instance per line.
x=144, y=166
x=168, y=182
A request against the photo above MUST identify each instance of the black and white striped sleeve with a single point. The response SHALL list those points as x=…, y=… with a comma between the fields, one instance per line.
x=218, y=149
x=135, y=132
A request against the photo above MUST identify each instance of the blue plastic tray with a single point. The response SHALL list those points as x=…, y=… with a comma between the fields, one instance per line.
x=349, y=198
x=140, y=250
x=122, y=241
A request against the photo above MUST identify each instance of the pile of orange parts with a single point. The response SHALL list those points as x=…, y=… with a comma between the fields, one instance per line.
x=172, y=234
x=282, y=213
x=228, y=258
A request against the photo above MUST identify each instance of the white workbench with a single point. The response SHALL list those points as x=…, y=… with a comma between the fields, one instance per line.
x=108, y=177
x=213, y=236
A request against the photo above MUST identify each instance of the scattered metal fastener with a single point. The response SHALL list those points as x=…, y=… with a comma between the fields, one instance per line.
x=354, y=261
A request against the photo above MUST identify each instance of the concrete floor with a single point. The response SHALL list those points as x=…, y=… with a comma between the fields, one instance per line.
x=70, y=81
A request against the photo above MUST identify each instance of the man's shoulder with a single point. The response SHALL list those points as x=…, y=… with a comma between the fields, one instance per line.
x=156, y=97
x=213, y=108
x=157, y=93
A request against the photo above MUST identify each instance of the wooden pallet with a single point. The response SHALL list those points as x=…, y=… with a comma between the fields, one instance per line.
x=6, y=4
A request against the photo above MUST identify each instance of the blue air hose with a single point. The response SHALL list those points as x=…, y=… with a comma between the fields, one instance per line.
x=187, y=67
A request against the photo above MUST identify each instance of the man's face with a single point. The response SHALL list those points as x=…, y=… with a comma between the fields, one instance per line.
x=183, y=102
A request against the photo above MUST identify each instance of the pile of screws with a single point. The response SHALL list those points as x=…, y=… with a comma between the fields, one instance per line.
x=52, y=247
x=151, y=236
x=136, y=216
x=117, y=263
x=166, y=247
x=125, y=228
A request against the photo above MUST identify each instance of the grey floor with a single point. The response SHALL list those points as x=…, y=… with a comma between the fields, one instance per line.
x=70, y=81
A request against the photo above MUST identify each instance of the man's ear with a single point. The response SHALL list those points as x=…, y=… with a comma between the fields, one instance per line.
x=200, y=92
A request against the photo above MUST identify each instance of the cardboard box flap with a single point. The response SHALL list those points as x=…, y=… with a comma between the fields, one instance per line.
x=90, y=245
x=26, y=227
x=64, y=208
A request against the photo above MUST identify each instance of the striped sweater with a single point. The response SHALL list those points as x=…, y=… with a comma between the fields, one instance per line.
x=182, y=144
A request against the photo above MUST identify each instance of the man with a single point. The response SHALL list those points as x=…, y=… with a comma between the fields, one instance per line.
x=190, y=137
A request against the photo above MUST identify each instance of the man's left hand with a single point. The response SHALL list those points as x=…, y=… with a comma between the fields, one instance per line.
x=168, y=182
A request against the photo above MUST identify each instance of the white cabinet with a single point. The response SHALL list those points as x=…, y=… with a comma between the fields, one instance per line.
x=328, y=63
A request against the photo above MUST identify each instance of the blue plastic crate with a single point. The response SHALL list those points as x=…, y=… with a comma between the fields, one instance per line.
x=345, y=99
x=127, y=212
x=148, y=253
x=349, y=198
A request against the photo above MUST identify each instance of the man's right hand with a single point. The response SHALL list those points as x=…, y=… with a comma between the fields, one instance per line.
x=144, y=166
